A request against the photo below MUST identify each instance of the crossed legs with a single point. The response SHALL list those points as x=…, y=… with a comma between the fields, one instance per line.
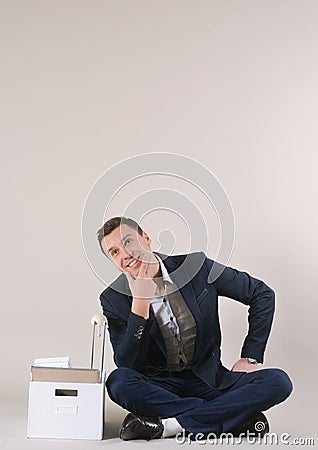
x=196, y=406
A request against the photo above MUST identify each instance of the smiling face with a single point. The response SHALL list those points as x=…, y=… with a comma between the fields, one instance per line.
x=127, y=248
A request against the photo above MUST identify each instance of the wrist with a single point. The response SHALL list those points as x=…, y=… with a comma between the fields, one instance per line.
x=251, y=360
x=140, y=306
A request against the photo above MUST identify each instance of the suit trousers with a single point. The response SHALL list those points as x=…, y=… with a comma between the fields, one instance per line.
x=198, y=407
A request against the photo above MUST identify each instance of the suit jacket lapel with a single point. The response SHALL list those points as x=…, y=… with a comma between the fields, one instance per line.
x=155, y=332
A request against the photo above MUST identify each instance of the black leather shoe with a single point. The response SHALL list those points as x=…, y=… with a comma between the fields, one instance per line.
x=255, y=426
x=139, y=427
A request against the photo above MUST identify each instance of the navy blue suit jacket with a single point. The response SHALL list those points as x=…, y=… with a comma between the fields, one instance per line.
x=138, y=342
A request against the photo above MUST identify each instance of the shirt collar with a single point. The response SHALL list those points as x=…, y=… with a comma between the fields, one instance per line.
x=165, y=275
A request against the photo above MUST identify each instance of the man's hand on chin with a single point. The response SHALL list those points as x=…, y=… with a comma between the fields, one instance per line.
x=242, y=365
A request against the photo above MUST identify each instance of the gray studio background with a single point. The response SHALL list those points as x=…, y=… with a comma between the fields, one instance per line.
x=86, y=84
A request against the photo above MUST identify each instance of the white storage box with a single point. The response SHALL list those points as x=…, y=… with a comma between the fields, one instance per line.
x=67, y=403
x=66, y=410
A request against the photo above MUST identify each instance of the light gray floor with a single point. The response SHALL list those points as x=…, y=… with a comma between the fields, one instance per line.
x=288, y=418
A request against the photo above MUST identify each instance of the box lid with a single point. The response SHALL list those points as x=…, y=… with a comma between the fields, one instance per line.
x=65, y=375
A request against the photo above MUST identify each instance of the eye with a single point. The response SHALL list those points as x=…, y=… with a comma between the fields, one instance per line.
x=114, y=252
x=127, y=241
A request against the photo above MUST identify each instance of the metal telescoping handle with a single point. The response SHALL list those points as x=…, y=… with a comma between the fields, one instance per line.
x=100, y=321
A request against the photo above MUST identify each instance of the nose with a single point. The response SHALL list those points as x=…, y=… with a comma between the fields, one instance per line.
x=126, y=253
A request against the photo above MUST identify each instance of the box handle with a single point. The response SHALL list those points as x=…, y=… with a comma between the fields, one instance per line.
x=66, y=392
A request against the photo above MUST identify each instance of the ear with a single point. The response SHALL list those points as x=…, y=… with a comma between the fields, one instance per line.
x=146, y=237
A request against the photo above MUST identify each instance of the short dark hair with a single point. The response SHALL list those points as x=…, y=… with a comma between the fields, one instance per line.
x=114, y=223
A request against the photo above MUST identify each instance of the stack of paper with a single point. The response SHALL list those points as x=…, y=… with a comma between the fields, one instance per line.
x=61, y=361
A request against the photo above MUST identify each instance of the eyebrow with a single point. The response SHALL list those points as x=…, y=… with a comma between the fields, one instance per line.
x=113, y=247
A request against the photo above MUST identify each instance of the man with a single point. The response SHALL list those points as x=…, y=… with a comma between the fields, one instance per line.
x=164, y=328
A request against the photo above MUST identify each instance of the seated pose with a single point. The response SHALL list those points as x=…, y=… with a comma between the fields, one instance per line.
x=162, y=314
